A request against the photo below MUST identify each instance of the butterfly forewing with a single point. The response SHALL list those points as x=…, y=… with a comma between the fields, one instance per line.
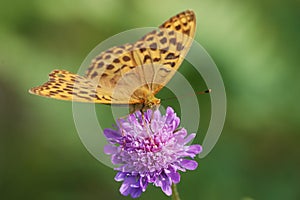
x=179, y=32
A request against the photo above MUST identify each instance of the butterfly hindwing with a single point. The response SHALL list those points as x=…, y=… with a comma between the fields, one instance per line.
x=64, y=85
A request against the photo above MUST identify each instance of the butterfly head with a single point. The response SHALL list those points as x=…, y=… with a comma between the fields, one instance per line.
x=151, y=102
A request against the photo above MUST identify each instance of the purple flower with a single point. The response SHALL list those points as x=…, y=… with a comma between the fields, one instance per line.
x=150, y=149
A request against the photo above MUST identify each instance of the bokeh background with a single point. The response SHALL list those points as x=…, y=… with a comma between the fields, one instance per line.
x=255, y=45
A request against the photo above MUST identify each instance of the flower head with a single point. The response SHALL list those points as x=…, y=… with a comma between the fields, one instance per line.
x=150, y=148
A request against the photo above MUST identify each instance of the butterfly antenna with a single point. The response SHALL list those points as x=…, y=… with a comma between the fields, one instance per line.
x=202, y=92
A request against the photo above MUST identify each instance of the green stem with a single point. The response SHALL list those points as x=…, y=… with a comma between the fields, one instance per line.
x=175, y=194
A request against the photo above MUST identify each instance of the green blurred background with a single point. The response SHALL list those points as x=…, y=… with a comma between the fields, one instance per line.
x=255, y=44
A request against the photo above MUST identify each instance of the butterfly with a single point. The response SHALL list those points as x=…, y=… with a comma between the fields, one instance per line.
x=130, y=74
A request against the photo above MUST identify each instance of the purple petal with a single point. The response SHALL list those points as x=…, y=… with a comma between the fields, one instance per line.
x=157, y=115
x=173, y=124
x=116, y=159
x=108, y=149
x=164, y=182
x=131, y=186
x=173, y=174
x=169, y=111
x=148, y=115
x=169, y=115
x=132, y=118
x=120, y=176
x=112, y=135
x=135, y=192
x=189, y=164
x=135, y=184
x=166, y=188
x=126, y=186
x=144, y=183
x=177, y=122
x=195, y=149
x=155, y=126
x=189, y=138
x=180, y=135
x=125, y=189
x=138, y=115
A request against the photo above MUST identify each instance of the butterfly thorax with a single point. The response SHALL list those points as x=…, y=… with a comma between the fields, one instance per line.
x=151, y=102
x=147, y=99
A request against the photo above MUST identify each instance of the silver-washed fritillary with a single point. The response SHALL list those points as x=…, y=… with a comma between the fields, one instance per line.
x=149, y=63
